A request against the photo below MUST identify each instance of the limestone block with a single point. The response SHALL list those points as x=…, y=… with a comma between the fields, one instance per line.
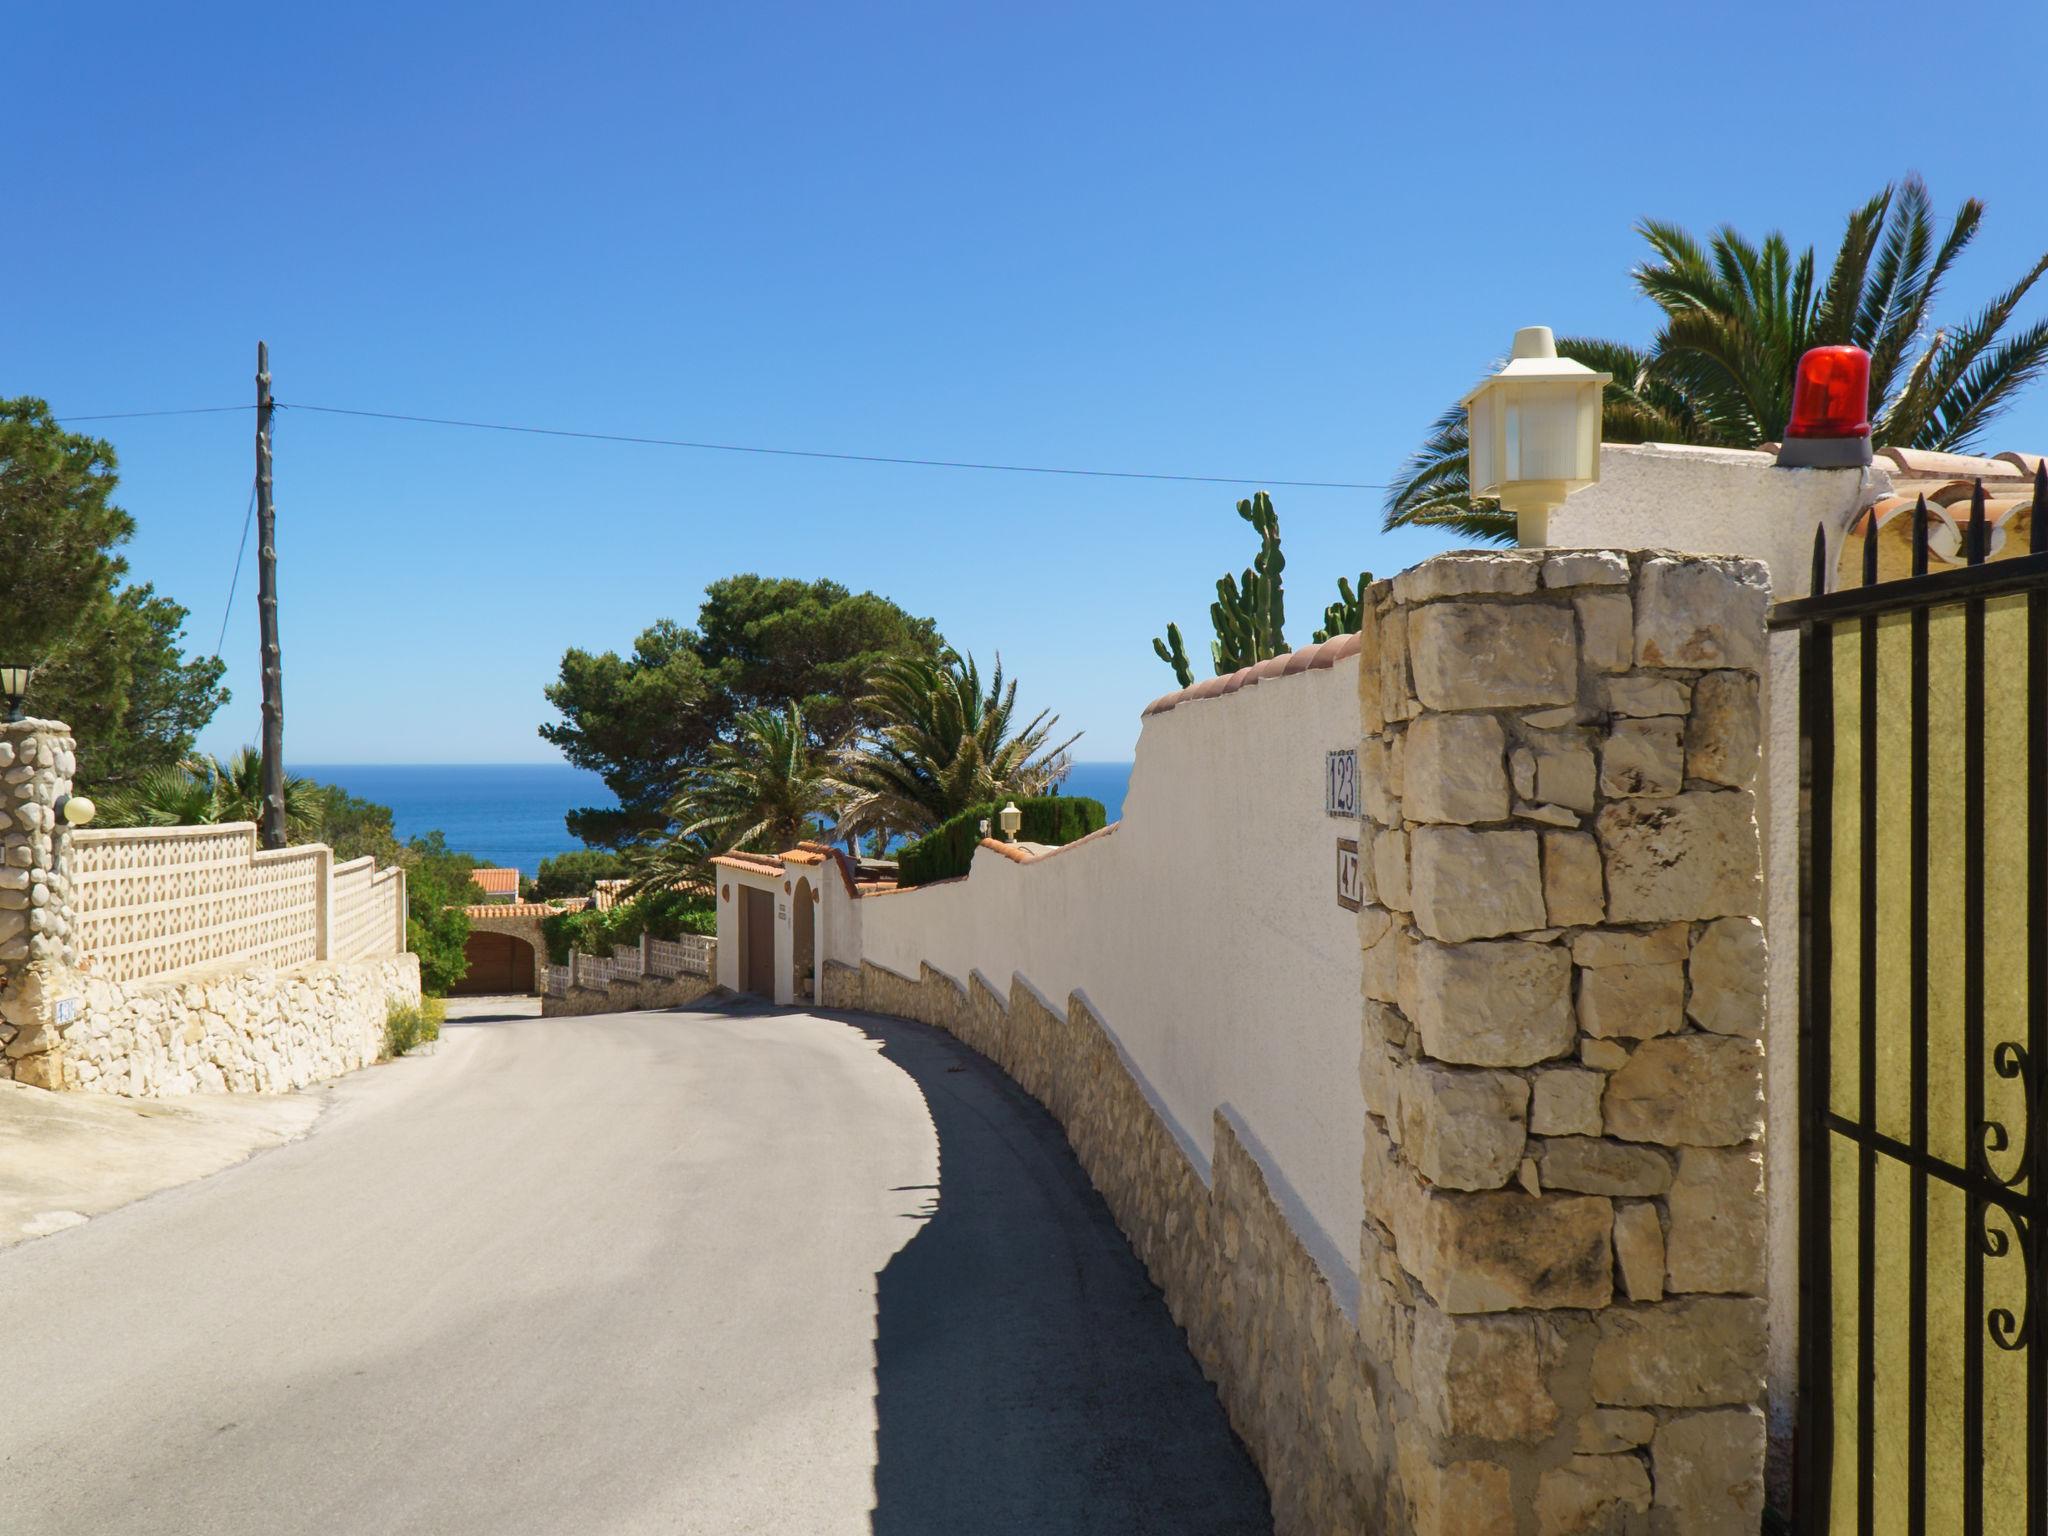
x=1522, y=773
x=1452, y=1498
x=1469, y=884
x=1687, y=856
x=1632, y=1002
x=1688, y=1090
x=1585, y=568
x=1607, y=1055
x=1595, y=1166
x=1639, y=1248
x=1379, y=1079
x=1566, y=773
x=1455, y=763
x=1549, y=815
x=1390, y=870
x=1371, y=631
x=1573, y=889
x=1381, y=978
x=1493, y=655
x=1505, y=1004
x=1643, y=757
x=1690, y=1352
x=1661, y=946
x=1463, y=1128
x=1499, y=1250
x=1607, y=639
x=1591, y=1493
x=1701, y=613
x=1397, y=694
x=1565, y=1101
x=1379, y=778
x=1709, y=1470
x=1484, y=1375
x=1717, y=1221
x=1727, y=977
x=1722, y=733
x=1603, y=1431
x=1470, y=572
x=1645, y=694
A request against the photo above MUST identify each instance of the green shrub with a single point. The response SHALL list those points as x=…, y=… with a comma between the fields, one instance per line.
x=663, y=914
x=948, y=849
x=576, y=873
x=407, y=1028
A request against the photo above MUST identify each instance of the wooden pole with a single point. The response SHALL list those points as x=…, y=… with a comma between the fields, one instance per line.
x=272, y=832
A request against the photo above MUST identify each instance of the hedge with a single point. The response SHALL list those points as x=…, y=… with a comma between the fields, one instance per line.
x=948, y=849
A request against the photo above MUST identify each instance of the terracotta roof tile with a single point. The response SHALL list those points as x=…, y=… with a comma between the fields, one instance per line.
x=497, y=882
x=1309, y=658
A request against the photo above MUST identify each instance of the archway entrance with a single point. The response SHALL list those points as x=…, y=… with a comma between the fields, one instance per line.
x=757, y=942
x=803, y=932
x=498, y=963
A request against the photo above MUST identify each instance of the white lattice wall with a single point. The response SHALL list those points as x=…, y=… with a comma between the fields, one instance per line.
x=151, y=900
x=690, y=955
x=367, y=914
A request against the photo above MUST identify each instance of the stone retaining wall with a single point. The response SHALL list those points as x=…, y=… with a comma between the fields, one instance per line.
x=211, y=1029
x=625, y=994
x=1561, y=1327
x=1260, y=1318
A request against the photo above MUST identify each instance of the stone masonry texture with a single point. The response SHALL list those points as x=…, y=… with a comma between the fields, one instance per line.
x=1561, y=1059
x=1560, y=1328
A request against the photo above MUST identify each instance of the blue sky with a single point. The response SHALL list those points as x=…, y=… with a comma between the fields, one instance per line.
x=1268, y=241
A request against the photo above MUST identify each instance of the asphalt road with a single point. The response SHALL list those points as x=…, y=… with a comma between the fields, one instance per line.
x=710, y=1271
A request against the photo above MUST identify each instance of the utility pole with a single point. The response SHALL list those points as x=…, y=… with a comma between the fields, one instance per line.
x=272, y=830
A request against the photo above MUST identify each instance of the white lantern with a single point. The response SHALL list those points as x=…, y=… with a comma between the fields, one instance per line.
x=14, y=688
x=1535, y=432
x=1011, y=819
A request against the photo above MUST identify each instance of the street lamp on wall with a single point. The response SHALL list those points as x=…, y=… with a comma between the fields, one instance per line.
x=1011, y=819
x=1534, y=432
x=14, y=688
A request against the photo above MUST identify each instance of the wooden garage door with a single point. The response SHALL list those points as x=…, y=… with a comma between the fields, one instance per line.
x=498, y=963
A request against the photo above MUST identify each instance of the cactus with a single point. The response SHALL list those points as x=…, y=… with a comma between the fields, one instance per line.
x=1344, y=616
x=1174, y=652
x=1250, y=611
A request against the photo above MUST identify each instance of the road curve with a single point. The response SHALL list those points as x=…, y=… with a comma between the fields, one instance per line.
x=722, y=1271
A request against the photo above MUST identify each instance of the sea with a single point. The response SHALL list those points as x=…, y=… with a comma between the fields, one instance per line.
x=511, y=814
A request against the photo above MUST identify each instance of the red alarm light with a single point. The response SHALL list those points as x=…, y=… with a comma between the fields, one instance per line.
x=1830, y=425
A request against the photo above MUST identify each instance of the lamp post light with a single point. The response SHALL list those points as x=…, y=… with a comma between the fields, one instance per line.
x=76, y=811
x=1012, y=819
x=1535, y=432
x=14, y=688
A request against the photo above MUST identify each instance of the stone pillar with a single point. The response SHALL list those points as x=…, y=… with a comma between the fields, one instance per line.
x=36, y=951
x=1562, y=1058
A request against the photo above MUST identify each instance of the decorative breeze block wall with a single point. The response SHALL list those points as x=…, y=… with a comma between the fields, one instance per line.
x=1562, y=1055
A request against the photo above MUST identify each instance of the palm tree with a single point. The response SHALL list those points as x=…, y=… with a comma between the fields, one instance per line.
x=1737, y=316
x=204, y=790
x=944, y=745
x=765, y=788
x=238, y=786
x=167, y=795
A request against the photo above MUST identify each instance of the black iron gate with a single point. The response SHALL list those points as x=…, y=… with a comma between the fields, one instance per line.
x=1923, y=1042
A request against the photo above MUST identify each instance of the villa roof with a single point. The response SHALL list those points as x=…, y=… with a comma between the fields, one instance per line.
x=1948, y=481
x=1310, y=658
x=497, y=882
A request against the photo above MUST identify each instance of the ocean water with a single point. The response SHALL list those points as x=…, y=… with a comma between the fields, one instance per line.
x=510, y=814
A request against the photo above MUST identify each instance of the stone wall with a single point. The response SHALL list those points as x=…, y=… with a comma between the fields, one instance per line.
x=177, y=960
x=626, y=993
x=210, y=1029
x=1562, y=1064
x=1260, y=1317
x=1560, y=1328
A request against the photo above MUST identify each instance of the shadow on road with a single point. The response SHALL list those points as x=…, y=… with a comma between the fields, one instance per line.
x=1028, y=1377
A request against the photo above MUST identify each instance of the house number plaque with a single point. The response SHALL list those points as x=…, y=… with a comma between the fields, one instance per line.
x=1350, y=882
x=1340, y=786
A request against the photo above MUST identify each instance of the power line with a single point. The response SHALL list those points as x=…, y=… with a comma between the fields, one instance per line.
x=190, y=410
x=851, y=458
x=758, y=449
x=235, y=580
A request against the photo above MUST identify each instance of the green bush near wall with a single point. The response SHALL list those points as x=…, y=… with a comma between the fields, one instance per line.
x=948, y=850
x=664, y=914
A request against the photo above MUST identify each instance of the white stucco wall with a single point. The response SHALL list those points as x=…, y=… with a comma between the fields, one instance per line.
x=1733, y=501
x=1206, y=934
